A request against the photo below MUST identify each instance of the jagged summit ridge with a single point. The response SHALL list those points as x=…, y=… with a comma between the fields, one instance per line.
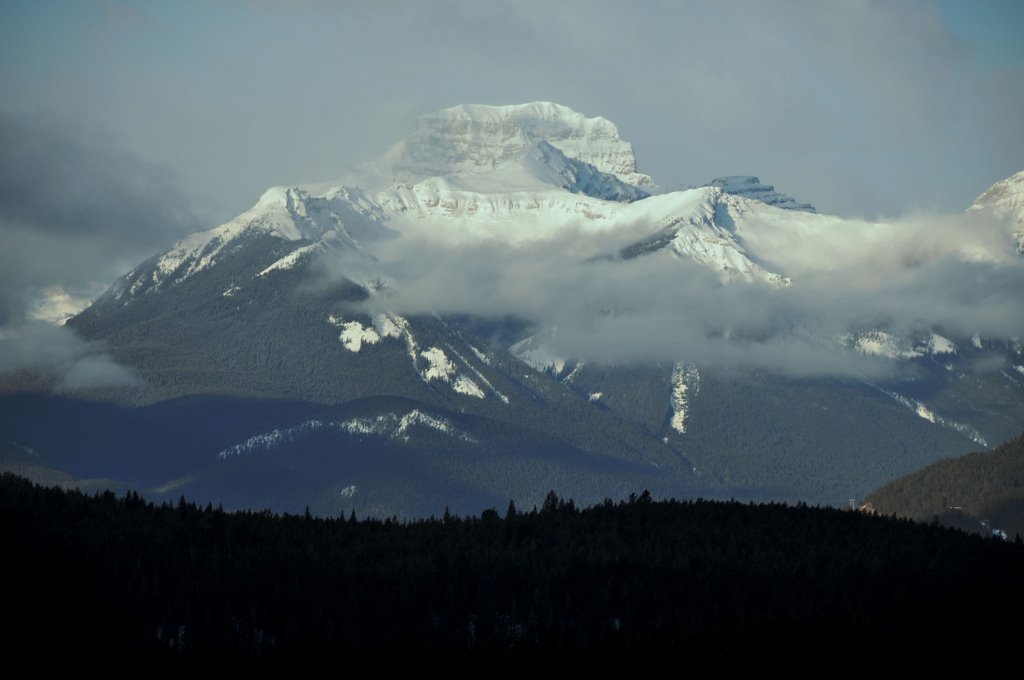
x=749, y=186
x=473, y=138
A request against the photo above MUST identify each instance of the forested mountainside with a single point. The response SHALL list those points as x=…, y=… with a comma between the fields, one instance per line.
x=981, y=491
x=707, y=588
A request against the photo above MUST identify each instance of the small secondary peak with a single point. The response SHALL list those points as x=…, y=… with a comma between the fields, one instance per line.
x=749, y=186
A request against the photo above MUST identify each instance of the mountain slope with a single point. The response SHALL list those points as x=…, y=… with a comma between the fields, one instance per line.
x=982, y=491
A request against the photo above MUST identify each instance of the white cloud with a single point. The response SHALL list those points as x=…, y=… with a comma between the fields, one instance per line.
x=939, y=272
x=56, y=354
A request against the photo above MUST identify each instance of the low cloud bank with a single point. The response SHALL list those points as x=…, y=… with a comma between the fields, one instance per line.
x=76, y=211
x=58, y=354
x=955, y=275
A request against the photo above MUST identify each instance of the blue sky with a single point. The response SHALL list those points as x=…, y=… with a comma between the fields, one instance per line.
x=862, y=108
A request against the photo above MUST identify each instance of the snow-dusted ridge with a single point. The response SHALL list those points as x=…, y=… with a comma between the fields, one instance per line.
x=274, y=438
x=395, y=427
x=390, y=426
x=751, y=187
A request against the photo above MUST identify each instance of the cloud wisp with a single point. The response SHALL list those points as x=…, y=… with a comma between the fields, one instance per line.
x=941, y=274
x=57, y=356
x=76, y=211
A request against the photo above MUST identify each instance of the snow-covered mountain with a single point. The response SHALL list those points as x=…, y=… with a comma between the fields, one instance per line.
x=294, y=299
x=513, y=173
x=1004, y=201
x=527, y=173
x=751, y=187
x=471, y=139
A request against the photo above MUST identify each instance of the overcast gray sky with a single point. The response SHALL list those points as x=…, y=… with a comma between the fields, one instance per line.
x=128, y=123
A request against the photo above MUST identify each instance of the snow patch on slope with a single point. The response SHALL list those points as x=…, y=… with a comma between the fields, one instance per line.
x=927, y=414
x=480, y=376
x=939, y=345
x=389, y=325
x=881, y=344
x=464, y=385
x=480, y=355
x=439, y=366
x=685, y=387
x=354, y=335
x=292, y=258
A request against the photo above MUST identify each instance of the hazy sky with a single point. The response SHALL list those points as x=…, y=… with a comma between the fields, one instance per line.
x=127, y=123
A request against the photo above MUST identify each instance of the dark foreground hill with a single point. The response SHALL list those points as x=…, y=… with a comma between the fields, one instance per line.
x=981, y=491
x=667, y=587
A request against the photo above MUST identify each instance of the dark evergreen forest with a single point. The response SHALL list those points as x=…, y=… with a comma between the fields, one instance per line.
x=982, y=491
x=671, y=588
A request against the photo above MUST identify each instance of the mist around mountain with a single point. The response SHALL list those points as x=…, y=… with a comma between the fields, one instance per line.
x=502, y=304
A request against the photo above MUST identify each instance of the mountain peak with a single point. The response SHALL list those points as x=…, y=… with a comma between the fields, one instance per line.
x=1005, y=195
x=1004, y=200
x=474, y=138
x=749, y=186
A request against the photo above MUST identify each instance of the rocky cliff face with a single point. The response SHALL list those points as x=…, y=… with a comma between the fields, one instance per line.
x=477, y=138
x=751, y=187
